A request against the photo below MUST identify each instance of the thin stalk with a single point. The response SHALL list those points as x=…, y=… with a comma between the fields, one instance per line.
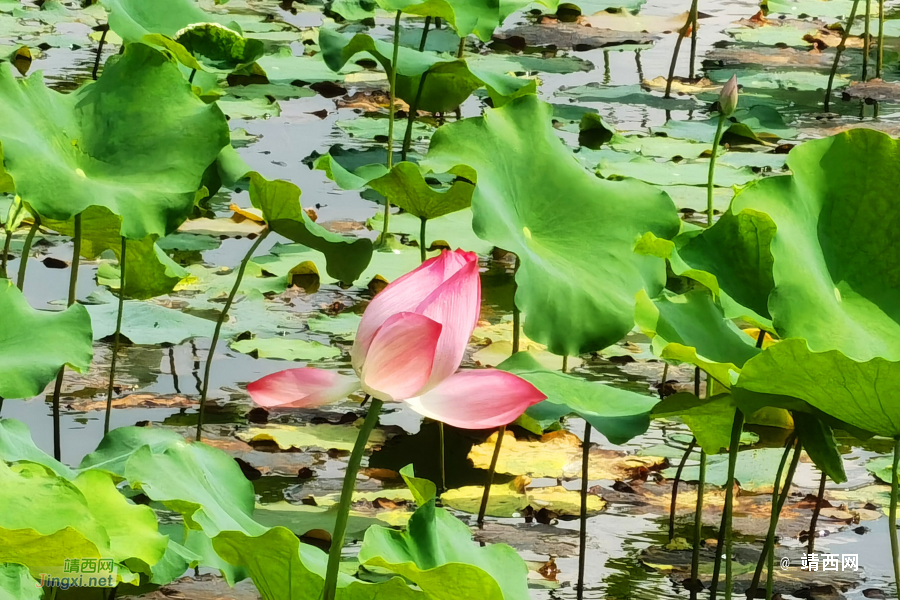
x=8, y=242
x=725, y=528
x=73, y=284
x=115, y=348
x=193, y=74
x=693, y=46
x=501, y=433
x=811, y=542
x=462, y=47
x=99, y=53
x=778, y=499
x=26, y=250
x=837, y=54
x=414, y=107
x=443, y=460
x=662, y=383
x=391, y=110
x=681, y=35
x=517, y=318
x=892, y=517
x=340, y=526
x=710, y=180
x=565, y=365
x=698, y=521
x=867, y=40
x=879, y=57
x=422, y=245
x=717, y=565
x=675, y=483
x=222, y=316
x=582, y=534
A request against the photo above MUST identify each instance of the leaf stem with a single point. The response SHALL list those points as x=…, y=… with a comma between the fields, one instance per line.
x=99, y=52
x=811, y=542
x=222, y=316
x=6, y=244
x=698, y=524
x=422, y=246
x=73, y=284
x=838, y=53
x=879, y=57
x=565, y=363
x=343, y=515
x=693, y=46
x=692, y=15
x=501, y=433
x=443, y=461
x=26, y=250
x=414, y=107
x=115, y=348
x=675, y=484
x=585, y=481
x=867, y=40
x=892, y=516
x=391, y=111
x=710, y=181
x=517, y=317
x=725, y=542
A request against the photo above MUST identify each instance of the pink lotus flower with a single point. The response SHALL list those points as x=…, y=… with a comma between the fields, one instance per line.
x=408, y=347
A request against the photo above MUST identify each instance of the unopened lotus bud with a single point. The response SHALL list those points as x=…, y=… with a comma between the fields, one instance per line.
x=728, y=97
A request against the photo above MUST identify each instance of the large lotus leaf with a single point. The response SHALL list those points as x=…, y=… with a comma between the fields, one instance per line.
x=406, y=188
x=709, y=419
x=279, y=202
x=692, y=328
x=34, y=345
x=149, y=272
x=618, y=414
x=285, y=569
x=835, y=269
x=16, y=444
x=448, y=83
x=133, y=19
x=480, y=17
x=436, y=553
x=817, y=438
x=859, y=393
x=16, y=583
x=133, y=532
x=136, y=141
x=574, y=234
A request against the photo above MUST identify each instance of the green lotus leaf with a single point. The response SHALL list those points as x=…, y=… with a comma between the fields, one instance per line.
x=448, y=83
x=16, y=583
x=285, y=348
x=219, y=48
x=202, y=483
x=436, y=552
x=284, y=569
x=857, y=392
x=149, y=272
x=147, y=323
x=34, y=345
x=136, y=141
x=755, y=471
x=279, y=201
x=756, y=124
x=692, y=328
x=817, y=438
x=406, y=188
x=669, y=173
x=618, y=414
x=16, y=445
x=480, y=17
x=579, y=273
x=709, y=419
x=133, y=19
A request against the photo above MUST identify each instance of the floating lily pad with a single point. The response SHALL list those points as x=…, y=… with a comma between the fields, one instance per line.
x=285, y=348
x=323, y=435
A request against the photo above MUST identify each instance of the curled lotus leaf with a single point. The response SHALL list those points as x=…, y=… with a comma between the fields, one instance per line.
x=133, y=19
x=578, y=272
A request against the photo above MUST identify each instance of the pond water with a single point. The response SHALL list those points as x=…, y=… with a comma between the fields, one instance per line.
x=280, y=144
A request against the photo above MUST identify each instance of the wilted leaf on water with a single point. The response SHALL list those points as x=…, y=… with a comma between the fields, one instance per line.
x=326, y=436
x=134, y=401
x=641, y=22
x=34, y=345
x=558, y=455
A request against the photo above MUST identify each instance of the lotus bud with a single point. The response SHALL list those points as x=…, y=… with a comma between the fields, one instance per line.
x=728, y=97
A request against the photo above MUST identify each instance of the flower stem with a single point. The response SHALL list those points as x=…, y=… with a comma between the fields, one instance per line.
x=115, y=348
x=710, y=181
x=838, y=53
x=867, y=40
x=391, y=111
x=675, y=483
x=414, y=107
x=222, y=316
x=501, y=433
x=692, y=15
x=99, y=52
x=811, y=542
x=582, y=533
x=73, y=284
x=892, y=516
x=26, y=250
x=422, y=246
x=340, y=526
x=443, y=461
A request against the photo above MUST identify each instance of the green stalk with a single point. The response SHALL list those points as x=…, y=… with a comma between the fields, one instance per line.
x=675, y=483
x=582, y=534
x=879, y=57
x=892, y=517
x=837, y=54
x=517, y=318
x=422, y=247
x=340, y=526
x=867, y=41
x=99, y=53
x=222, y=316
x=414, y=107
x=391, y=110
x=73, y=284
x=692, y=16
x=698, y=523
x=191, y=77
x=115, y=348
x=710, y=181
x=26, y=250
x=693, y=46
x=811, y=542
x=565, y=365
x=443, y=460
x=501, y=433
x=8, y=242
x=725, y=528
